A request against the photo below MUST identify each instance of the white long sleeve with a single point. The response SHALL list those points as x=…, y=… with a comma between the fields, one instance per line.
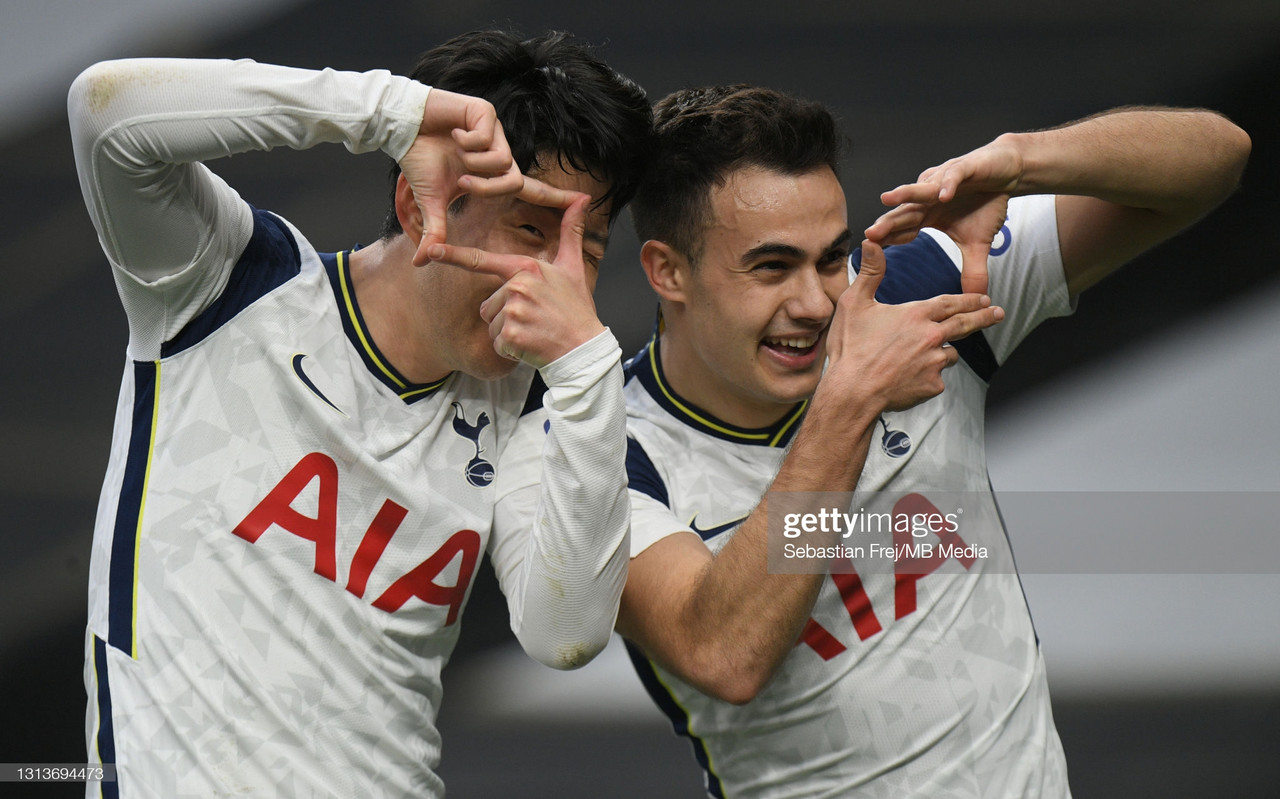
x=561, y=533
x=171, y=228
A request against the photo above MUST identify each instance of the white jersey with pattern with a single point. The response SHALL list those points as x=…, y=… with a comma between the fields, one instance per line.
x=920, y=679
x=289, y=528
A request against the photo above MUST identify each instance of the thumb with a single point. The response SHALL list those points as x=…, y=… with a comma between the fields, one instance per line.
x=871, y=271
x=573, y=229
x=973, y=271
x=434, y=213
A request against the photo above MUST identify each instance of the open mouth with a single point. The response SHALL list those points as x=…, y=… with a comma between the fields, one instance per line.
x=792, y=346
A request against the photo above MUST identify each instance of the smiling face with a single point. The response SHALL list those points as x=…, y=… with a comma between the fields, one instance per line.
x=452, y=296
x=746, y=325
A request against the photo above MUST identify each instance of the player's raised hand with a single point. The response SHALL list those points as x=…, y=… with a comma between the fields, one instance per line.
x=543, y=309
x=966, y=197
x=897, y=352
x=460, y=149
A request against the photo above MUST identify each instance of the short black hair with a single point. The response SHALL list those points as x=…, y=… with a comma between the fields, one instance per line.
x=704, y=134
x=553, y=97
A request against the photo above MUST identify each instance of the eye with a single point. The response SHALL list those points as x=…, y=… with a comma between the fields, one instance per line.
x=771, y=266
x=833, y=260
x=531, y=229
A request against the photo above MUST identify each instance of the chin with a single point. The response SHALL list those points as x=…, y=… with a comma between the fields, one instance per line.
x=797, y=389
x=491, y=366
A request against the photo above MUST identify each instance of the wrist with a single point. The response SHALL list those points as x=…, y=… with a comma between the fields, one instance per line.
x=1022, y=152
x=830, y=446
x=577, y=338
x=441, y=112
x=841, y=407
x=591, y=355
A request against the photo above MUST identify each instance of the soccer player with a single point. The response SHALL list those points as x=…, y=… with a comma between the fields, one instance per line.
x=921, y=676
x=301, y=480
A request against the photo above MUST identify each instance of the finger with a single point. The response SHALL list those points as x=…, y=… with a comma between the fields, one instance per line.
x=870, y=272
x=573, y=227
x=435, y=211
x=538, y=193
x=505, y=333
x=910, y=193
x=951, y=355
x=949, y=177
x=509, y=183
x=480, y=139
x=489, y=163
x=486, y=154
x=903, y=219
x=899, y=237
x=965, y=324
x=948, y=182
x=501, y=344
x=477, y=260
x=973, y=270
x=496, y=322
x=482, y=129
x=494, y=305
x=944, y=306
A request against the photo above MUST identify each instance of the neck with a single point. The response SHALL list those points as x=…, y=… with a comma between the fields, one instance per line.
x=382, y=279
x=687, y=374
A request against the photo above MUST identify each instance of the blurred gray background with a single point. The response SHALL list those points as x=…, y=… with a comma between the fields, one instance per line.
x=1165, y=684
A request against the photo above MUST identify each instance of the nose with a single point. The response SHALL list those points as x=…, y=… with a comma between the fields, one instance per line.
x=809, y=300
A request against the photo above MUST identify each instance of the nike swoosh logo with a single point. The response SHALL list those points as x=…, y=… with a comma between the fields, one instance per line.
x=711, y=532
x=306, y=381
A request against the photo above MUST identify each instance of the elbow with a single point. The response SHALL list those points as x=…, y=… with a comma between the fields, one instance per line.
x=1233, y=150
x=566, y=653
x=94, y=89
x=1241, y=148
x=739, y=691
x=737, y=680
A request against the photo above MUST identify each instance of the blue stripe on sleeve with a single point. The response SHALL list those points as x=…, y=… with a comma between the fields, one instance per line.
x=922, y=269
x=269, y=259
x=533, y=400
x=642, y=475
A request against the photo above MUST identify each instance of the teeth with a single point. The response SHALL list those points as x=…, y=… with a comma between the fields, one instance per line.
x=797, y=343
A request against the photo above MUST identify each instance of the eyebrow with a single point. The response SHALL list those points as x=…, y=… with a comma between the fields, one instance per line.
x=791, y=251
x=597, y=238
x=843, y=240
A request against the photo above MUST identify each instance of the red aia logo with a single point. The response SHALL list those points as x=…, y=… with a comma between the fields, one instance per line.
x=276, y=508
x=907, y=572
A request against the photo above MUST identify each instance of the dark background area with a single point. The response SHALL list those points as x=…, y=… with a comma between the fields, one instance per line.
x=912, y=83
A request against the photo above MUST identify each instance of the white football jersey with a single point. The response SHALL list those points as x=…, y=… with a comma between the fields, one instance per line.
x=289, y=528
x=323, y=555
x=921, y=677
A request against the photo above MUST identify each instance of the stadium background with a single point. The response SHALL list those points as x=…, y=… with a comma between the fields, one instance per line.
x=1164, y=684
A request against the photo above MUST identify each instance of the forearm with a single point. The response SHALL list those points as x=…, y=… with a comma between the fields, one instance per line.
x=141, y=127
x=1178, y=163
x=741, y=621
x=564, y=576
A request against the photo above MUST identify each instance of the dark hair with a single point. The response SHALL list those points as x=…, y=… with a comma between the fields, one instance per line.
x=702, y=135
x=554, y=98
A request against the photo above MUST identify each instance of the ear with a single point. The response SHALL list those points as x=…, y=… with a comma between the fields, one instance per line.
x=667, y=269
x=407, y=210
